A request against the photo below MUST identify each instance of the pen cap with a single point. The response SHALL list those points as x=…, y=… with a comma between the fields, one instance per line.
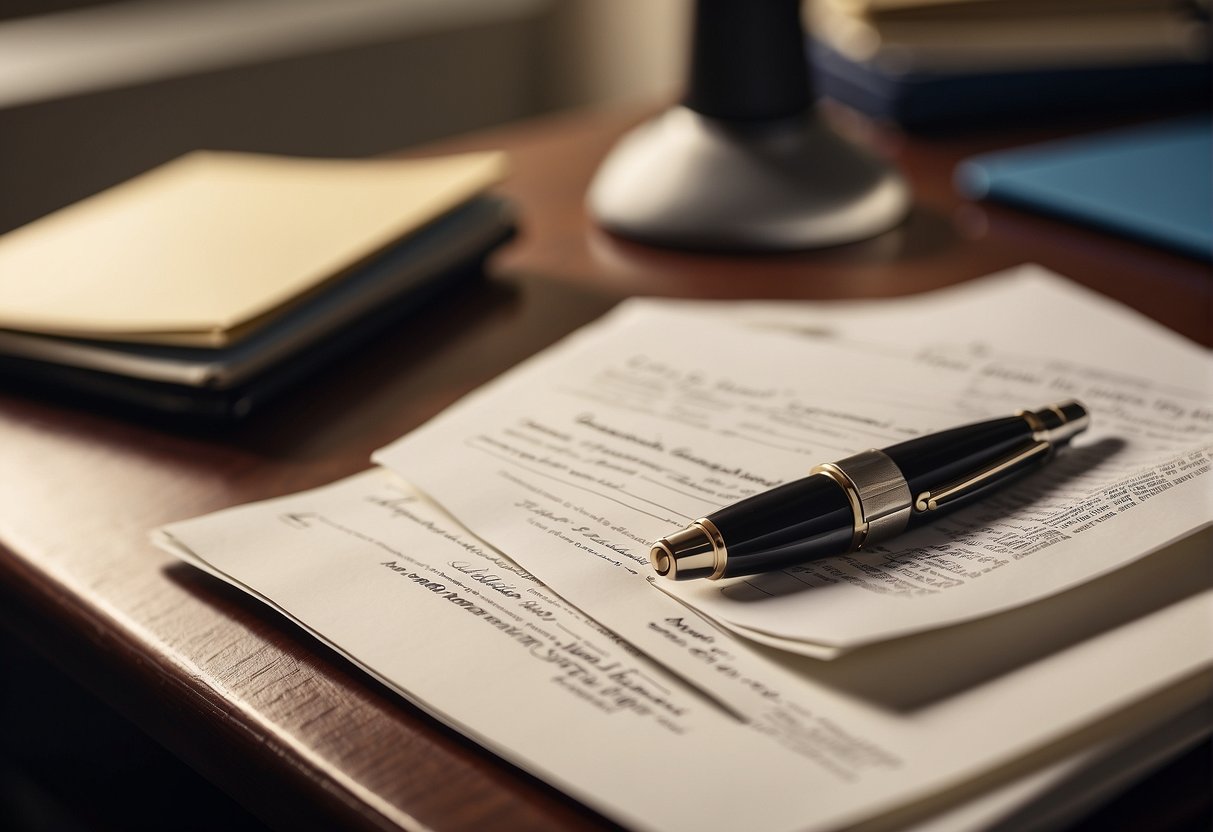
x=960, y=465
x=928, y=461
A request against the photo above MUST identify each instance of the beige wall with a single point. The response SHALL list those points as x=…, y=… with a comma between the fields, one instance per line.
x=610, y=50
x=95, y=96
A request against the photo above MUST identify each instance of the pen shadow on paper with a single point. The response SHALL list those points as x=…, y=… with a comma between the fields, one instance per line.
x=1043, y=484
x=918, y=671
x=924, y=233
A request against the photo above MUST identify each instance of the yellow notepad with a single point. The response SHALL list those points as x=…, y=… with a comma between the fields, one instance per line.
x=201, y=250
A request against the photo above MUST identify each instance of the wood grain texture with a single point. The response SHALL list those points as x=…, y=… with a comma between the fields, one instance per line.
x=282, y=723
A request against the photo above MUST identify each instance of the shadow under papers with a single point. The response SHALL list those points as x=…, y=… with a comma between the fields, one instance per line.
x=922, y=670
x=267, y=652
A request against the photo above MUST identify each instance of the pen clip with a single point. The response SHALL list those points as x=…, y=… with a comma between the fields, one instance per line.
x=949, y=493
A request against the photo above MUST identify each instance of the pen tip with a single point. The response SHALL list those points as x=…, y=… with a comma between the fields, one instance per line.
x=660, y=556
x=685, y=554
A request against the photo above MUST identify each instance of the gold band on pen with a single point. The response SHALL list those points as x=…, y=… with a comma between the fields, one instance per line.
x=832, y=471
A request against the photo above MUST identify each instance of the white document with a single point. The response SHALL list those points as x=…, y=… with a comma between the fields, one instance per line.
x=389, y=580
x=575, y=461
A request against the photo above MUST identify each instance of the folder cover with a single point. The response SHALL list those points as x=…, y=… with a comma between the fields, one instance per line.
x=202, y=251
x=1154, y=182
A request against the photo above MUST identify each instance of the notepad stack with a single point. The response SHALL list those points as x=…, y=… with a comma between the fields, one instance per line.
x=210, y=284
x=936, y=63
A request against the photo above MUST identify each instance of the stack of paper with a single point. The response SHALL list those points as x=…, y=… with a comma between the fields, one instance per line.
x=977, y=35
x=968, y=674
x=207, y=271
x=933, y=63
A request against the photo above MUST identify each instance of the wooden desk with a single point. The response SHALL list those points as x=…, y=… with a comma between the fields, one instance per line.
x=283, y=724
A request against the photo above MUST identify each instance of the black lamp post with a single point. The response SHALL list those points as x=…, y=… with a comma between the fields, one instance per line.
x=745, y=162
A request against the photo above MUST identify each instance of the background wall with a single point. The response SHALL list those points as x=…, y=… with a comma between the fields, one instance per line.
x=92, y=95
x=606, y=50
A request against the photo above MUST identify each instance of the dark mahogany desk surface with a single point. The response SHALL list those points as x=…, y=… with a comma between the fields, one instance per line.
x=281, y=723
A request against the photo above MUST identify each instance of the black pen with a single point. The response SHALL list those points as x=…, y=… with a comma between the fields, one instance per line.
x=866, y=498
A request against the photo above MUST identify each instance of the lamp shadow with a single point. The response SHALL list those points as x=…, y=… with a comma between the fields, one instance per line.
x=924, y=233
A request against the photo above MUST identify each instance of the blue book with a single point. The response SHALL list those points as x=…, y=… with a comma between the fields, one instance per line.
x=1154, y=183
x=933, y=101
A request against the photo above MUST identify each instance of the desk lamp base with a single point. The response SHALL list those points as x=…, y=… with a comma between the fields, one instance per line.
x=688, y=180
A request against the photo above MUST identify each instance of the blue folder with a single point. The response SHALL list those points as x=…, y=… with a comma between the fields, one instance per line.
x=1154, y=182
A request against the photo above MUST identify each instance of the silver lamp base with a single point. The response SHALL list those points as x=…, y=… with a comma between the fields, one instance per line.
x=690, y=181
